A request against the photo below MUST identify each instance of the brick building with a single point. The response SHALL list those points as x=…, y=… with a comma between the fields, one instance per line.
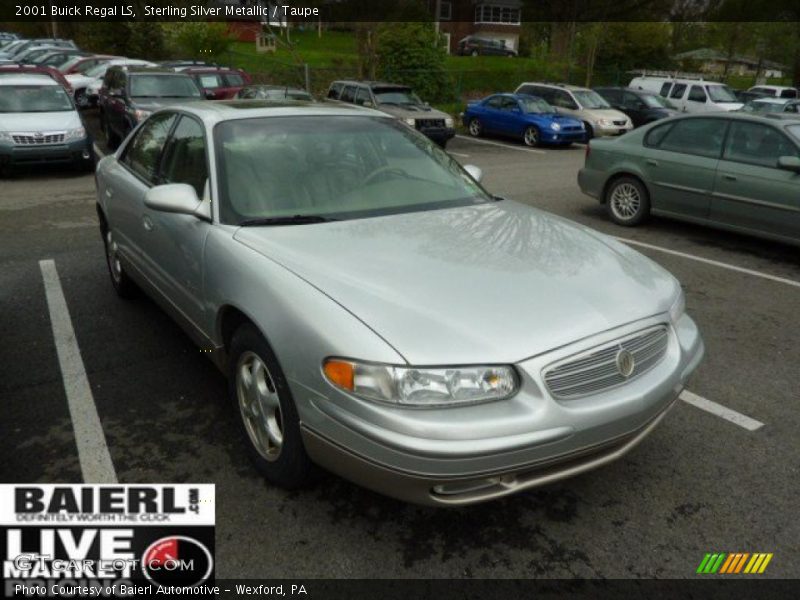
x=491, y=19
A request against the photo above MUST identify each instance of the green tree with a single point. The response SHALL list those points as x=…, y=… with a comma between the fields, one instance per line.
x=198, y=39
x=136, y=39
x=412, y=53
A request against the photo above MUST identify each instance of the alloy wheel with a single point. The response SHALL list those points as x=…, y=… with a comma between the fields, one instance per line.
x=531, y=136
x=112, y=256
x=475, y=127
x=625, y=201
x=259, y=405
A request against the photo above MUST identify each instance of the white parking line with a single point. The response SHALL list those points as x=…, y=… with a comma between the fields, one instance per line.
x=479, y=141
x=720, y=411
x=95, y=460
x=458, y=154
x=715, y=263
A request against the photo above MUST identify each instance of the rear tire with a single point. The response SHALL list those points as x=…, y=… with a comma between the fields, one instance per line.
x=123, y=285
x=268, y=416
x=627, y=201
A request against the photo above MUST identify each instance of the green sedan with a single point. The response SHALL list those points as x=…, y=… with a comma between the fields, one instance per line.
x=734, y=171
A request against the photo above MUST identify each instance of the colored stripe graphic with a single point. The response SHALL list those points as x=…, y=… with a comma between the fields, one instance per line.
x=734, y=562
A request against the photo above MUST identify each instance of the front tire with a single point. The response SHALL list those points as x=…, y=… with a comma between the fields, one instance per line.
x=268, y=416
x=589, y=131
x=531, y=137
x=475, y=128
x=627, y=201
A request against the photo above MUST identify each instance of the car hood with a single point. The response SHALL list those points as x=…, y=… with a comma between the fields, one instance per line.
x=40, y=121
x=78, y=80
x=416, y=112
x=728, y=105
x=495, y=282
x=553, y=118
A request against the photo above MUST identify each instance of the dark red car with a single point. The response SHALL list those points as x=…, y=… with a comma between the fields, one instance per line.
x=218, y=83
x=53, y=73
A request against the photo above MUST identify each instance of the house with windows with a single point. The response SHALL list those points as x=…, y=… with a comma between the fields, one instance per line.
x=710, y=61
x=497, y=20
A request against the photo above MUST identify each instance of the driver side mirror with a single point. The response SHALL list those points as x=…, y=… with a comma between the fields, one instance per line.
x=789, y=163
x=177, y=198
x=474, y=172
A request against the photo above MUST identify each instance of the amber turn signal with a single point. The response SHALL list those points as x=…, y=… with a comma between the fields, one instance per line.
x=340, y=372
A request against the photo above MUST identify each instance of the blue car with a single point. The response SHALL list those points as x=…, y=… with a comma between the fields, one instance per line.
x=522, y=116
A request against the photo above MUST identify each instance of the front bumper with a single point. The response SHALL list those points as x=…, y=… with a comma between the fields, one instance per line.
x=74, y=152
x=611, y=131
x=473, y=454
x=550, y=136
x=440, y=135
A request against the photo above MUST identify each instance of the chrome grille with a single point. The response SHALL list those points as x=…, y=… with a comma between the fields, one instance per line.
x=596, y=370
x=36, y=139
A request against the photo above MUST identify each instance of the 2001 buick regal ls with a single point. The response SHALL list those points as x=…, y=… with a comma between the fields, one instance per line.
x=378, y=313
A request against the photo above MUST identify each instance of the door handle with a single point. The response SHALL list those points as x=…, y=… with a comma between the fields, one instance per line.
x=651, y=162
x=730, y=177
x=147, y=223
x=109, y=192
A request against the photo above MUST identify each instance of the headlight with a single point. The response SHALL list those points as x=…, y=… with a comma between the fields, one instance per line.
x=411, y=386
x=141, y=115
x=409, y=121
x=605, y=122
x=449, y=123
x=555, y=126
x=75, y=134
x=678, y=307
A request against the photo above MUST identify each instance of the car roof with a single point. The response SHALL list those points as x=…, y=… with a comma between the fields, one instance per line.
x=145, y=70
x=11, y=78
x=557, y=86
x=371, y=84
x=783, y=118
x=772, y=100
x=228, y=110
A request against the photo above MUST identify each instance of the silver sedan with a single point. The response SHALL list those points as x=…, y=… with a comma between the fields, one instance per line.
x=378, y=313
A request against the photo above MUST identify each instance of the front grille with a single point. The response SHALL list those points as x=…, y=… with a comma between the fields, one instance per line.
x=596, y=370
x=429, y=123
x=33, y=139
x=620, y=123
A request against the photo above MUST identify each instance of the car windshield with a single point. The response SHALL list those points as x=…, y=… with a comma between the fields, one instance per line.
x=342, y=168
x=163, y=86
x=654, y=101
x=33, y=99
x=590, y=99
x=759, y=106
x=72, y=62
x=721, y=93
x=535, y=106
x=396, y=96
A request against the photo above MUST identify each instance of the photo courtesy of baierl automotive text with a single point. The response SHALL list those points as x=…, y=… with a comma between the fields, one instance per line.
x=414, y=299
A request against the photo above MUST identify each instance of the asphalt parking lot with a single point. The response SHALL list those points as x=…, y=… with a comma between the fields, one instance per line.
x=721, y=476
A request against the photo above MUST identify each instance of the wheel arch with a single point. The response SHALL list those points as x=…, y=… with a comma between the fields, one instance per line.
x=619, y=175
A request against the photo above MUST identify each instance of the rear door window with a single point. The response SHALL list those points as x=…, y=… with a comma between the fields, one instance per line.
x=185, y=156
x=210, y=80
x=788, y=93
x=335, y=90
x=348, y=94
x=701, y=137
x=143, y=153
x=665, y=89
x=234, y=79
x=362, y=95
x=677, y=91
x=495, y=102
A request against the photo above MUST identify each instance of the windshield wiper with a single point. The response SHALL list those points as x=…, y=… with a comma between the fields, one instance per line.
x=293, y=220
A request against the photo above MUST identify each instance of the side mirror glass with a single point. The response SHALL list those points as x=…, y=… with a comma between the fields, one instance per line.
x=789, y=163
x=474, y=172
x=179, y=198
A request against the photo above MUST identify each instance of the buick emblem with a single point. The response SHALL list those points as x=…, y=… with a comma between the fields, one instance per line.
x=625, y=363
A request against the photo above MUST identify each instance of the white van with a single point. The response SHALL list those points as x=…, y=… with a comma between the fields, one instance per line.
x=690, y=95
x=775, y=91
